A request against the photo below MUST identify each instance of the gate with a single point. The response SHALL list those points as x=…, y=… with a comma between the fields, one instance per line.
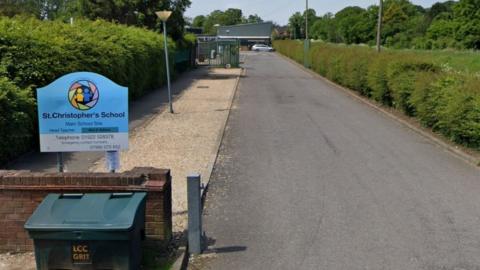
x=219, y=53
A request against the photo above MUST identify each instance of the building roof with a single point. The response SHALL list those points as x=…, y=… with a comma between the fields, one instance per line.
x=251, y=30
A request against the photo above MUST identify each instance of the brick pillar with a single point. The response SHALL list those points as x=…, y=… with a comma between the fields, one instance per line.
x=158, y=227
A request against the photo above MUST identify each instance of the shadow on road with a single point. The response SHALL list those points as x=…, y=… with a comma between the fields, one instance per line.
x=209, y=243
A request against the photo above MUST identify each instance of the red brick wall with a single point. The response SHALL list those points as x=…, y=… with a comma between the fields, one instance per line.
x=22, y=191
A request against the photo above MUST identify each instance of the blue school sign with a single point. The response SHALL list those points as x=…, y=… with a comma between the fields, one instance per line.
x=83, y=111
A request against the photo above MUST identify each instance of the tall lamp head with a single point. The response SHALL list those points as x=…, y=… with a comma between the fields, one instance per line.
x=163, y=15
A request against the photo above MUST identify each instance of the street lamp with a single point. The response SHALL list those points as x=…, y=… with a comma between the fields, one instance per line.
x=306, y=44
x=164, y=15
x=379, y=26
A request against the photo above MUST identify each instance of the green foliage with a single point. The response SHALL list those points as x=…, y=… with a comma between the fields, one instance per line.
x=354, y=25
x=377, y=80
x=458, y=109
x=450, y=24
x=425, y=97
x=33, y=53
x=199, y=21
x=401, y=78
x=230, y=16
x=134, y=12
x=296, y=23
x=253, y=19
x=129, y=12
x=412, y=81
x=17, y=109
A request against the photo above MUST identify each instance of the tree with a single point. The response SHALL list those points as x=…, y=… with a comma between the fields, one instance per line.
x=254, y=19
x=136, y=12
x=403, y=22
x=437, y=9
x=41, y=9
x=325, y=28
x=231, y=16
x=211, y=20
x=455, y=25
x=354, y=25
x=295, y=23
x=312, y=17
x=14, y=7
x=199, y=21
x=467, y=17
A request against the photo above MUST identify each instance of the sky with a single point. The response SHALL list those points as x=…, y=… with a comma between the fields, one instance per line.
x=279, y=11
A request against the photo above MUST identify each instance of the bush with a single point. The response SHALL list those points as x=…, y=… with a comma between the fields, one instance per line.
x=425, y=97
x=458, y=109
x=34, y=53
x=412, y=81
x=377, y=80
x=17, y=115
x=401, y=77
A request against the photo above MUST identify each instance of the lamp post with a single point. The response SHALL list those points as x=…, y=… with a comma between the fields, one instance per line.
x=306, y=44
x=379, y=26
x=164, y=15
x=306, y=19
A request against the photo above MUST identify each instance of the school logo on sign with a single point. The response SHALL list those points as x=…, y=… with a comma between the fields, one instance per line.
x=83, y=95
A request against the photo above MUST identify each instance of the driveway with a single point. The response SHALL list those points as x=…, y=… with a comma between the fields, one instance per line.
x=309, y=178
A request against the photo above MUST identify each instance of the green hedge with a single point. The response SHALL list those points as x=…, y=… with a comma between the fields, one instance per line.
x=17, y=126
x=34, y=53
x=446, y=101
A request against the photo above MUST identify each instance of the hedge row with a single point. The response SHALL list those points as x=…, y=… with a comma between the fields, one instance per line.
x=444, y=100
x=16, y=119
x=34, y=53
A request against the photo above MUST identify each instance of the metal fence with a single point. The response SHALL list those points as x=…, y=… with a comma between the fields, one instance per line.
x=219, y=53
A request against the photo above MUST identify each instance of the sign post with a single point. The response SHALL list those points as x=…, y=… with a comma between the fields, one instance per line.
x=82, y=111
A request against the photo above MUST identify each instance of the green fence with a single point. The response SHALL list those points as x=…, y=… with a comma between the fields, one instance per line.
x=219, y=53
x=184, y=59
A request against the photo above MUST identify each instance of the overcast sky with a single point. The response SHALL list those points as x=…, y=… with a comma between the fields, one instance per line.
x=280, y=10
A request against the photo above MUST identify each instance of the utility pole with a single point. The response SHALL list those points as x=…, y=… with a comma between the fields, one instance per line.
x=306, y=44
x=306, y=19
x=379, y=26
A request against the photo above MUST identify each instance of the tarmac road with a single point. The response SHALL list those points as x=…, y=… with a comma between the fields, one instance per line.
x=309, y=178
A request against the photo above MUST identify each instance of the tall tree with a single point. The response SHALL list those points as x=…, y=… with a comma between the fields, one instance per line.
x=312, y=17
x=296, y=24
x=231, y=16
x=254, y=19
x=325, y=28
x=42, y=9
x=199, y=21
x=137, y=12
x=467, y=18
x=354, y=25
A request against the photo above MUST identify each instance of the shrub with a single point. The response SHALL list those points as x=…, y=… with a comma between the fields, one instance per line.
x=377, y=81
x=401, y=77
x=425, y=97
x=458, y=110
x=16, y=120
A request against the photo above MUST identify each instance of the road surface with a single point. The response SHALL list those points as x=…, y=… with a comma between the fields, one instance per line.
x=309, y=178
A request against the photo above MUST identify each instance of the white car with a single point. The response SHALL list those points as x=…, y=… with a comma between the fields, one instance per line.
x=262, y=48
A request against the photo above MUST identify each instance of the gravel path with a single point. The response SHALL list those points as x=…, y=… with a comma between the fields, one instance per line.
x=23, y=261
x=186, y=141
